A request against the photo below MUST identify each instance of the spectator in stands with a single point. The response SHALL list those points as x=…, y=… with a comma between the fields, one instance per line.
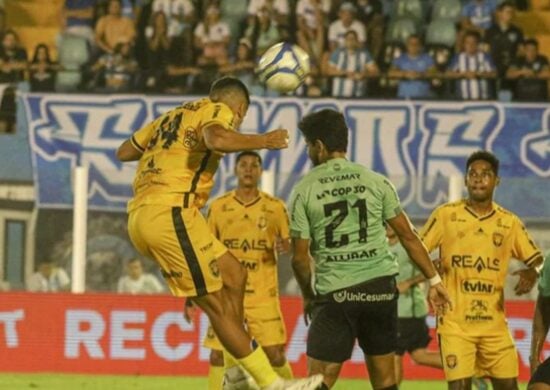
x=212, y=38
x=181, y=15
x=138, y=282
x=114, y=28
x=49, y=278
x=158, y=46
x=13, y=59
x=346, y=22
x=531, y=73
x=78, y=18
x=266, y=32
x=370, y=13
x=116, y=71
x=311, y=15
x=181, y=73
x=473, y=67
x=477, y=15
x=277, y=9
x=503, y=38
x=413, y=68
x=243, y=64
x=349, y=66
x=43, y=70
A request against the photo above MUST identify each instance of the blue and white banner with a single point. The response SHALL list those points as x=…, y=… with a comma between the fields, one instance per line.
x=418, y=145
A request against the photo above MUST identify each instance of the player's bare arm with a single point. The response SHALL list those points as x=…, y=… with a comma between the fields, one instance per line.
x=405, y=285
x=219, y=139
x=301, y=265
x=128, y=152
x=438, y=296
x=540, y=330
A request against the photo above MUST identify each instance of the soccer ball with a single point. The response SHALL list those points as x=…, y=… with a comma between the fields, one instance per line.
x=283, y=67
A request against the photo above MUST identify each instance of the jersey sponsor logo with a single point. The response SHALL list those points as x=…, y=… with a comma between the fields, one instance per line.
x=190, y=138
x=250, y=264
x=245, y=245
x=171, y=274
x=342, y=191
x=478, y=311
x=497, y=239
x=348, y=296
x=352, y=256
x=479, y=263
x=346, y=176
x=477, y=286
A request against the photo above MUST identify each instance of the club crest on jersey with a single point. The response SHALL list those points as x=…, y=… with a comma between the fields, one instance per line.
x=497, y=239
x=451, y=361
x=190, y=139
x=262, y=222
x=213, y=265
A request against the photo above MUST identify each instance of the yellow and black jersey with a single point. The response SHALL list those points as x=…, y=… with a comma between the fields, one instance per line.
x=176, y=168
x=475, y=253
x=249, y=231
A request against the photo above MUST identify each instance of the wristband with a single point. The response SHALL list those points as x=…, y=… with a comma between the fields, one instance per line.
x=435, y=280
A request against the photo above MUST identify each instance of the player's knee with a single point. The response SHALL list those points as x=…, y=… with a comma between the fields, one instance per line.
x=216, y=358
x=276, y=357
x=460, y=384
x=391, y=387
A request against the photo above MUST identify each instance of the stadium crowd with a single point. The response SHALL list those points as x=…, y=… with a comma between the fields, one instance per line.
x=419, y=49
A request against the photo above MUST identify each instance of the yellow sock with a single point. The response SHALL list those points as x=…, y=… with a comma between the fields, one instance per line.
x=215, y=378
x=259, y=368
x=228, y=360
x=285, y=371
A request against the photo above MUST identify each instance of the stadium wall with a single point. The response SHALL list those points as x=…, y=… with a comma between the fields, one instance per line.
x=147, y=335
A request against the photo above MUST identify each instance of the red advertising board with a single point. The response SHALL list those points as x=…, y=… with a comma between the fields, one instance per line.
x=121, y=334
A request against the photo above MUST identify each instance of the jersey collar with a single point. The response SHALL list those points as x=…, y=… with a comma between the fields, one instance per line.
x=483, y=217
x=249, y=204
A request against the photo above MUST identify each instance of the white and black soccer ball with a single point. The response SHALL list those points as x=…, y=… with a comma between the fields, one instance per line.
x=283, y=67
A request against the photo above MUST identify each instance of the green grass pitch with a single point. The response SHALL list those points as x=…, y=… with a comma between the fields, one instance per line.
x=123, y=382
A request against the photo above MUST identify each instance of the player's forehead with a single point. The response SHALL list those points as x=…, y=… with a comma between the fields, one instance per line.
x=248, y=159
x=480, y=165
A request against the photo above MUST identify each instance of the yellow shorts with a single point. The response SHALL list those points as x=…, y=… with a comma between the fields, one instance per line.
x=467, y=356
x=264, y=323
x=180, y=241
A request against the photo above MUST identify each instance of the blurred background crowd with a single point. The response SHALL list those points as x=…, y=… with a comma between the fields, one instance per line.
x=421, y=49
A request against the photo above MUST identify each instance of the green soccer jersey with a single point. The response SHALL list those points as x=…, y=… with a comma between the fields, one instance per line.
x=411, y=304
x=340, y=207
x=544, y=281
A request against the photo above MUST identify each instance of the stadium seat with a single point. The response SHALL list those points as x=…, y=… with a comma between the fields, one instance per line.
x=400, y=29
x=441, y=32
x=408, y=9
x=447, y=9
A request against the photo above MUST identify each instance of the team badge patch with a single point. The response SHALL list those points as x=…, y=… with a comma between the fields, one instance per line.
x=497, y=239
x=213, y=265
x=451, y=361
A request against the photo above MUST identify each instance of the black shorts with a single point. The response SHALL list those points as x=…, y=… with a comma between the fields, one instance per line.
x=366, y=313
x=412, y=334
x=542, y=374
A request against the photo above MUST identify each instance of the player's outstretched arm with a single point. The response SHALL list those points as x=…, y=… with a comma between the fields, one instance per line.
x=438, y=296
x=540, y=330
x=219, y=139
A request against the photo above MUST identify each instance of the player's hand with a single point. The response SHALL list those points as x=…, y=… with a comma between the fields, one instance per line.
x=527, y=280
x=276, y=139
x=308, y=307
x=282, y=245
x=403, y=287
x=439, y=299
x=189, y=310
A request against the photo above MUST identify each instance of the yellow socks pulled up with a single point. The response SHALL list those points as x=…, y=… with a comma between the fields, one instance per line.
x=257, y=365
x=284, y=371
x=215, y=378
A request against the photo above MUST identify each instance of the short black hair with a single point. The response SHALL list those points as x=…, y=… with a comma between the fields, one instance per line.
x=473, y=34
x=415, y=36
x=227, y=84
x=249, y=153
x=485, y=156
x=505, y=4
x=328, y=126
x=531, y=41
x=351, y=32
